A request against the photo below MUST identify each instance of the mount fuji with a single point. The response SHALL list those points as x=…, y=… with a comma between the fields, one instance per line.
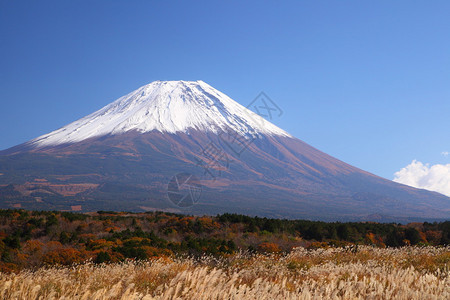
x=183, y=146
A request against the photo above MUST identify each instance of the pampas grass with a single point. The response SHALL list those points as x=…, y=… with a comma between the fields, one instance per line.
x=334, y=273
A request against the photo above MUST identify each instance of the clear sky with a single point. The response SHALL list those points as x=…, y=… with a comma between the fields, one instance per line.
x=365, y=81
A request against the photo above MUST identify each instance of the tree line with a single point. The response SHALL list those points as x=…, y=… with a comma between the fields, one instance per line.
x=31, y=239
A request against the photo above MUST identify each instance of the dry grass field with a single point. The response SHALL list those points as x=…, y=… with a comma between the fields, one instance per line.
x=333, y=273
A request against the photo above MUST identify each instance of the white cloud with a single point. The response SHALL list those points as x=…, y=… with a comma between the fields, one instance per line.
x=445, y=153
x=434, y=178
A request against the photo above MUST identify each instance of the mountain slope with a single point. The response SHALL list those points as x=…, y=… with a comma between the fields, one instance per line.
x=123, y=156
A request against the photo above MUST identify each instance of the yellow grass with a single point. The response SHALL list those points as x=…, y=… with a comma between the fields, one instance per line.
x=335, y=273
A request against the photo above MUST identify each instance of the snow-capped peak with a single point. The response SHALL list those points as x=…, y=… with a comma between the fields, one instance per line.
x=165, y=106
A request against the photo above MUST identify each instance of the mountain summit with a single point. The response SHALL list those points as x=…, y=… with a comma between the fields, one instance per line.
x=183, y=146
x=165, y=106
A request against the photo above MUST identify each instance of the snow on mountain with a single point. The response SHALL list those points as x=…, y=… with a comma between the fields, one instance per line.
x=165, y=106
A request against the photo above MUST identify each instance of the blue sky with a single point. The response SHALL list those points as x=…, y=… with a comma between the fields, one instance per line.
x=364, y=81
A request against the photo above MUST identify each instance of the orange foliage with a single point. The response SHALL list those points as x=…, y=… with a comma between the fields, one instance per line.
x=64, y=256
x=269, y=247
x=88, y=236
x=423, y=237
x=184, y=222
x=107, y=223
x=136, y=239
x=370, y=237
x=101, y=244
x=33, y=246
x=208, y=223
x=112, y=229
x=8, y=267
x=156, y=252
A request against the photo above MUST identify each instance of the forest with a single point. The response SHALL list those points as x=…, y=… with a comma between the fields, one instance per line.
x=32, y=239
